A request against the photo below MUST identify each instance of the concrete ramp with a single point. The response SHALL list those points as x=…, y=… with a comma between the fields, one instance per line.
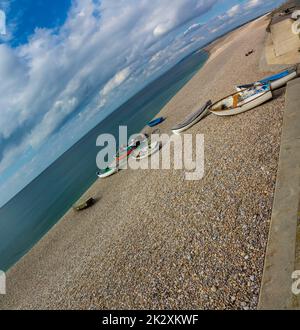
x=284, y=40
x=283, y=251
x=282, y=43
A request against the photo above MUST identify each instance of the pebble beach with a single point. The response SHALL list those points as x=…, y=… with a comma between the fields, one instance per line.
x=156, y=241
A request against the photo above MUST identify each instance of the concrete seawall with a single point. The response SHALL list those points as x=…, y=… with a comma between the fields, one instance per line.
x=282, y=257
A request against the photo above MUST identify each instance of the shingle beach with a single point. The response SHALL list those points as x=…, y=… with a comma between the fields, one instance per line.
x=156, y=241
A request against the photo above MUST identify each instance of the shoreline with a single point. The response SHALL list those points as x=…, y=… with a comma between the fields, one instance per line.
x=168, y=245
x=155, y=96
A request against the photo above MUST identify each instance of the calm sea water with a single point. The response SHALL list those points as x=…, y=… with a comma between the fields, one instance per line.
x=32, y=212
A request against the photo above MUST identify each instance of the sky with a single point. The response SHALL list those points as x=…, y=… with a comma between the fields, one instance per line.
x=66, y=64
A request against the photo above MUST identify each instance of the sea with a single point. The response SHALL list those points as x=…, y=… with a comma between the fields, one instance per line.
x=28, y=216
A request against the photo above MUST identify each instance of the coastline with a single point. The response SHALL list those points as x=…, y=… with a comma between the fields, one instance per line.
x=177, y=244
x=43, y=208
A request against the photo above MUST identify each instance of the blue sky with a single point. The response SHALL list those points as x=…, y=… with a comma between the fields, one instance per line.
x=66, y=64
x=29, y=14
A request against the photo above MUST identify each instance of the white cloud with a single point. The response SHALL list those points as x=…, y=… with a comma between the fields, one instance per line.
x=233, y=10
x=239, y=14
x=253, y=3
x=52, y=87
x=112, y=84
x=51, y=120
x=192, y=28
x=116, y=81
x=52, y=83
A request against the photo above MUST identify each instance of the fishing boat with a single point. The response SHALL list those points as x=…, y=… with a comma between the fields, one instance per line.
x=193, y=118
x=242, y=101
x=156, y=122
x=107, y=172
x=146, y=150
x=276, y=81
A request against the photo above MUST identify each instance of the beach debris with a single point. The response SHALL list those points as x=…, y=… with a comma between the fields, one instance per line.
x=250, y=52
x=286, y=11
x=84, y=204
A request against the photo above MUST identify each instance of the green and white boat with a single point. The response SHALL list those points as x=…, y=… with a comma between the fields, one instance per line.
x=107, y=172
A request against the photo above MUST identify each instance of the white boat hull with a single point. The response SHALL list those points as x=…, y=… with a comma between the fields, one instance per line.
x=107, y=174
x=283, y=81
x=251, y=103
x=192, y=119
x=178, y=131
x=154, y=147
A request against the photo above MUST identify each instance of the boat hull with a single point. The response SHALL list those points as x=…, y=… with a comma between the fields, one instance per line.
x=278, y=83
x=283, y=81
x=107, y=174
x=124, y=155
x=156, y=122
x=152, y=148
x=242, y=101
x=195, y=118
x=253, y=103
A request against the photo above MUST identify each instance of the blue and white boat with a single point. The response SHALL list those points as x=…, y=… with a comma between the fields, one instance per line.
x=276, y=81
